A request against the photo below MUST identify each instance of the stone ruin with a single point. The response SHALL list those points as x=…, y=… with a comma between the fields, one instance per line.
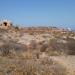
x=5, y=24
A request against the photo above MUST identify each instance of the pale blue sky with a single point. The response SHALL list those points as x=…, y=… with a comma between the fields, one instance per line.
x=39, y=12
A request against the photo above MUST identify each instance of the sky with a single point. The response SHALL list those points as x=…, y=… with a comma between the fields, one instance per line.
x=60, y=13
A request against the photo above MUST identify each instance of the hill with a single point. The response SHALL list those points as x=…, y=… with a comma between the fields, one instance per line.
x=36, y=50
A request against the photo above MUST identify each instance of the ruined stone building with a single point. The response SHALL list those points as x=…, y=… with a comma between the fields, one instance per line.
x=5, y=24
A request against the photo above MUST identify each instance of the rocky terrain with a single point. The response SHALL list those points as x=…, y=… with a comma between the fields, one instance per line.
x=37, y=51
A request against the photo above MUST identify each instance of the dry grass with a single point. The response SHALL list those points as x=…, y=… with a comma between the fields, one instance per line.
x=30, y=67
x=33, y=59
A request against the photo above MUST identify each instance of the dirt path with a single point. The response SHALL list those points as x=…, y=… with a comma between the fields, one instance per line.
x=67, y=61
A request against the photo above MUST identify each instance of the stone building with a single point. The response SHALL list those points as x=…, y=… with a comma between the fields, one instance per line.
x=5, y=24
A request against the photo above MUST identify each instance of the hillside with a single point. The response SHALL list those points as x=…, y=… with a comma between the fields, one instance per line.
x=36, y=50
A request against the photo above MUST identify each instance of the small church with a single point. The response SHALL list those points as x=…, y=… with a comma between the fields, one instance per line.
x=5, y=24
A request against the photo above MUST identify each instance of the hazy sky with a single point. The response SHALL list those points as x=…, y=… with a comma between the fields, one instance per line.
x=39, y=12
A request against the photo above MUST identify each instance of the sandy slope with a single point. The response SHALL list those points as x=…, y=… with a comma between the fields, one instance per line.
x=66, y=61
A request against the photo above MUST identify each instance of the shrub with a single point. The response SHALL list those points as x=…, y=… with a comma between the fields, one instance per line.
x=17, y=28
x=56, y=48
x=43, y=47
x=33, y=44
x=9, y=48
x=5, y=50
x=71, y=46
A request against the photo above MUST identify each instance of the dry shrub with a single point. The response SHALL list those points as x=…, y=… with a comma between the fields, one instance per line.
x=17, y=28
x=71, y=46
x=56, y=48
x=32, y=67
x=31, y=33
x=11, y=48
x=28, y=55
x=33, y=44
x=59, y=48
x=5, y=50
x=43, y=47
